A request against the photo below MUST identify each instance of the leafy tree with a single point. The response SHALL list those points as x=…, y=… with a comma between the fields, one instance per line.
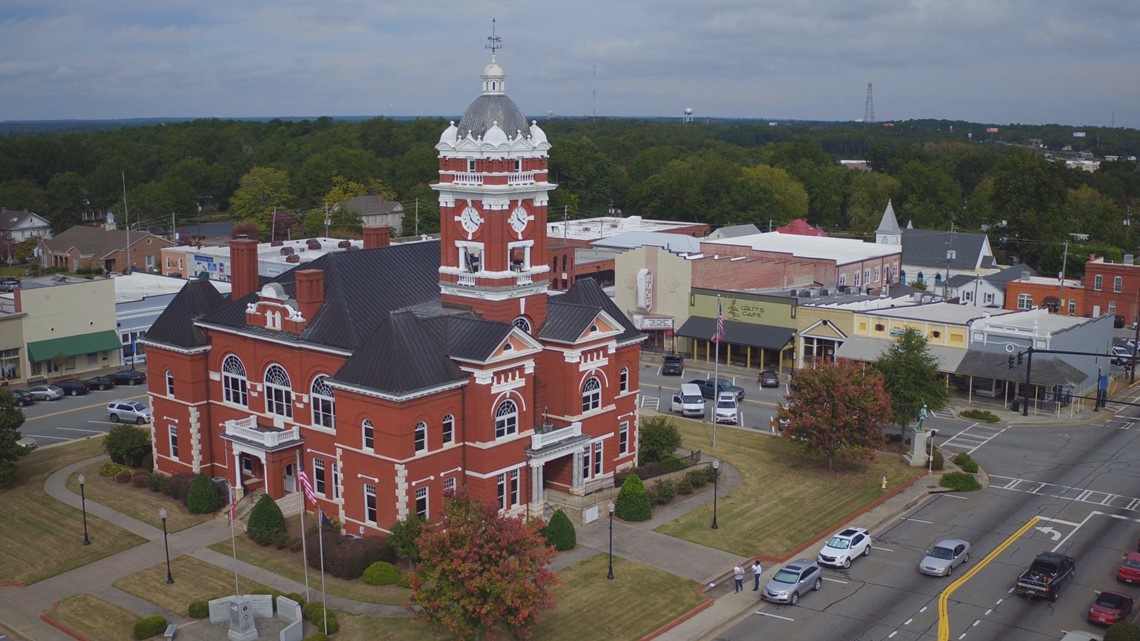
x=266, y=523
x=837, y=409
x=260, y=191
x=127, y=444
x=203, y=497
x=403, y=536
x=868, y=194
x=633, y=502
x=65, y=197
x=657, y=437
x=787, y=192
x=482, y=572
x=910, y=373
x=11, y=418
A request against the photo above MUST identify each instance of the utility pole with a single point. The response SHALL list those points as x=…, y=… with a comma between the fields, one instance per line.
x=565, y=221
x=126, y=220
x=1061, y=279
x=417, y=216
x=950, y=255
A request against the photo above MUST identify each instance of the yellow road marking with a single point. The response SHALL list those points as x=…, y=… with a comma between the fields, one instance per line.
x=82, y=407
x=943, y=616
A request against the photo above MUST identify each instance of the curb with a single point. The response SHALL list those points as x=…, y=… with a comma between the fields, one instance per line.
x=46, y=618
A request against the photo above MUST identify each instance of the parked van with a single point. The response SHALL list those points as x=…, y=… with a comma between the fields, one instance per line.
x=689, y=401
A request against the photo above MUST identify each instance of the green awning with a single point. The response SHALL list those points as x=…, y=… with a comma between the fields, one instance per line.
x=93, y=343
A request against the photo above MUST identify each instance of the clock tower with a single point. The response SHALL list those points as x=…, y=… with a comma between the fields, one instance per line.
x=493, y=193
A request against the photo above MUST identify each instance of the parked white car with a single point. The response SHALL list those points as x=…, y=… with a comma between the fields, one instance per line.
x=844, y=547
x=726, y=408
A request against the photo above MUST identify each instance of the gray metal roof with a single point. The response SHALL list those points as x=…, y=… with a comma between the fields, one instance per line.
x=928, y=248
x=587, y=291
x=676, y=243
x=488, y=110
x=1047, y=370
x=400, y=358
x=566, y=321
x=175, y=325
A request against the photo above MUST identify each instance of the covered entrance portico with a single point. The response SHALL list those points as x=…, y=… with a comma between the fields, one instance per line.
x=562, y=448
x=264, y=457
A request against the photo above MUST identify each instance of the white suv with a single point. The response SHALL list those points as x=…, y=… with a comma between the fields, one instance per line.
x=726, y=408
x=129, y=411
x=845, y=546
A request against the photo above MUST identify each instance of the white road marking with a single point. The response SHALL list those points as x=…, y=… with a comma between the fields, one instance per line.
x=975, y=623
x=58, y=438
x=892, y=634
x=907, y=622
x=917, y=520
x=1000, y=600
x=923, y=609
x=955, y=496
x=875, y=547
x=1082, y=495
x=76, y=429
x=774, y=616
x=988, y=612
x=834, y=580
x=961, y=636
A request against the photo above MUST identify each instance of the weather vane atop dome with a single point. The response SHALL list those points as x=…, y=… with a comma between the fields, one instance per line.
x=494, y=43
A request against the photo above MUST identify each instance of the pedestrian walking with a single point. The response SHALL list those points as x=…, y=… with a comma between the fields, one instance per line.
x=738, y=575
x=756, y=572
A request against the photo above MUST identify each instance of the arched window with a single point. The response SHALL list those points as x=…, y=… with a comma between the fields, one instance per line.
x=421, y=436
x=522, y=323
x=506, y=419
x=278, y=392
x=169, y=383
x=322, y=402
x=235, y=386
x=448, y=429
x=591, y=394
x=623, y=379
x=369, y=435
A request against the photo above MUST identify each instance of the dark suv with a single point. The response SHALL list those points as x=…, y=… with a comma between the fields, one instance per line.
x=129, y=377
x=73, y=386
x=673, y=365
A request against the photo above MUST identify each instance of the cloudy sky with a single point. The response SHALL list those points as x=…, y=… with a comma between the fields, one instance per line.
x=995, y=61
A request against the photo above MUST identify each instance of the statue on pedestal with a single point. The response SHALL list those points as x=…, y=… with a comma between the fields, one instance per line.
x=921, y=418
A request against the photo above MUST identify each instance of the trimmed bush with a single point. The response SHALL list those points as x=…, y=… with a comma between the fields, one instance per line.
x=203, y=497
x=139, y=478
x=960, y=481
x=316, y=613
x=199, y=609
x=966, y=463
x=111, y=470
x=980, y=415
x=148, y=627
x=560, y=532
x=381, y=573
x=671, y=463
x=123, y=477
x=701, y=475
x=158, y=483
x=938, y=463
x=663, y=492
x=347, y=557
x=300, y=600
x=633, y=501
x=179, y=486
x=265, y=521
x=686, y=486
x=1123, y=631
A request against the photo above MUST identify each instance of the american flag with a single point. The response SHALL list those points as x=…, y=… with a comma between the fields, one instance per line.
x=308, y=487
x=719, y=324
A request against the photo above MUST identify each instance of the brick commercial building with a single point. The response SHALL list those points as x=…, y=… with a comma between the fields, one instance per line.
x=396, y=374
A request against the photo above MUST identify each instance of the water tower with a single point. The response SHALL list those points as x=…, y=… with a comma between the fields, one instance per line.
x=688, y=117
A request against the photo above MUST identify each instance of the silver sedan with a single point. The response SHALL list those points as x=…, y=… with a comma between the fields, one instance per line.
x=942, y=558
x=46, y=392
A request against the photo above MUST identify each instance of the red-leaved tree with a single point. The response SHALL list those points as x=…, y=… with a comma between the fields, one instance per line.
x=481, y=572
x=837, y=409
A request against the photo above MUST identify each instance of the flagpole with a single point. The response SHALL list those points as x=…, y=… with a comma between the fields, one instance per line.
x=233, y=539
x=321, y=540
x=716, y=368
x=304, y=549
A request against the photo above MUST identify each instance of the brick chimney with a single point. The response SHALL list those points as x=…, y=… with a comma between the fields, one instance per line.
x=377, y=236
x=243, y=267
x=310, y=291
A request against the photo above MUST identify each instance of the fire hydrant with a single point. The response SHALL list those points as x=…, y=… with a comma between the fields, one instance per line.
x=884, y=482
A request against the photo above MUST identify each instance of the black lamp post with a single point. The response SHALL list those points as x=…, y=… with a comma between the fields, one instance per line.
x=610, y=508
x=83, y=505
x=716, y=479
x=930, y=455
x=166, y=545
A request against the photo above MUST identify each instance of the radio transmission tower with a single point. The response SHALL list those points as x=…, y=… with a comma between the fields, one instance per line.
x=869, y=110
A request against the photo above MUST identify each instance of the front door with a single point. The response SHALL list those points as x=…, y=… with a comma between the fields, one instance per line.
x=290, y=480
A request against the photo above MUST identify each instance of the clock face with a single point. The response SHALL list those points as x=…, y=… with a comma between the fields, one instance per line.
x=470, y=220
x=519, y=219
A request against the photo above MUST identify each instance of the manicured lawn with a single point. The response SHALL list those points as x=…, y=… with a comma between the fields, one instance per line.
x=785, y=499
x=638, y=601
x=290, y=564
x=193, y=580
x=43, y=537
x=94, y=618
x=138, y=502
x=357, y=627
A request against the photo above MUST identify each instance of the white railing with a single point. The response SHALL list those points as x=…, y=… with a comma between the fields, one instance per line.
x=539, y=441
x=467, y=179
x=466, y=279
x=246, y=428
x=524, y=279
x=520, y=178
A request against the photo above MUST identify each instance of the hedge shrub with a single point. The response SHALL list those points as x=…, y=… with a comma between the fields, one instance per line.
x=148, y=627
x=633, y=501
x=663, y=492
x=671, y=463
x=123, y=477
x=967, y=464
x=381, y=573
x=960, y=481
x=313, y=614
x=127, y=444
x=702, y=475
x=560, y=532
x=140, y=477
x=296, y=598
x=203, y=497
x=1123, y=631
x=266, y=523
x=937, y=463
x=111, y=470
x=980, y=415
x=347, y=557
x=158, y=483
x=199, y=609
x=179, y=486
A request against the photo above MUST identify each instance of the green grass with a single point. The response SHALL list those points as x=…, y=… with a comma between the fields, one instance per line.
x=138, y=502
x=785, y=499
x=357, y=627
x=43, y=537
x=94, y=618
x=193, y=580
x=291, y=565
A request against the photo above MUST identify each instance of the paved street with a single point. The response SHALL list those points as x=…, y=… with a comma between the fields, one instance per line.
x=75, y=417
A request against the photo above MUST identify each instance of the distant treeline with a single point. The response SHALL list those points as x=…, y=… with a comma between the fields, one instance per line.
x=1012, y=182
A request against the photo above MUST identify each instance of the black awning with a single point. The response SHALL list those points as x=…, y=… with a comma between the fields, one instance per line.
x=737, y=333
x=1047, y=370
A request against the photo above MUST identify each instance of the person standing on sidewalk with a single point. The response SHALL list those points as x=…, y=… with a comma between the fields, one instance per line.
x=756, y=572
x=738, y=576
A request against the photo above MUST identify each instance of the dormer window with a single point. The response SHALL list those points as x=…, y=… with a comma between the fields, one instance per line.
x=594, y=328
x=518, y=164
x=272, y=319
x=471, y=165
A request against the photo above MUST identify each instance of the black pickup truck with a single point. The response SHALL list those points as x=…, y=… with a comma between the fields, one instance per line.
x=1045, y=576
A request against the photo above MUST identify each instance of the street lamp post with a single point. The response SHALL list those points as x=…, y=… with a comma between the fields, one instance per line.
x=716, y=479
x=166, y=545
x=930, y=454
x=610, y=508
x=83, y=505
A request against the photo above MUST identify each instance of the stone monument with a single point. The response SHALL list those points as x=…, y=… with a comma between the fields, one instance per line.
x=918, y=442
x=242, y=627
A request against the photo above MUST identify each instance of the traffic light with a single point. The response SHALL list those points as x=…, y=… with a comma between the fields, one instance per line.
x=1019, y=357
x=1011, y=361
